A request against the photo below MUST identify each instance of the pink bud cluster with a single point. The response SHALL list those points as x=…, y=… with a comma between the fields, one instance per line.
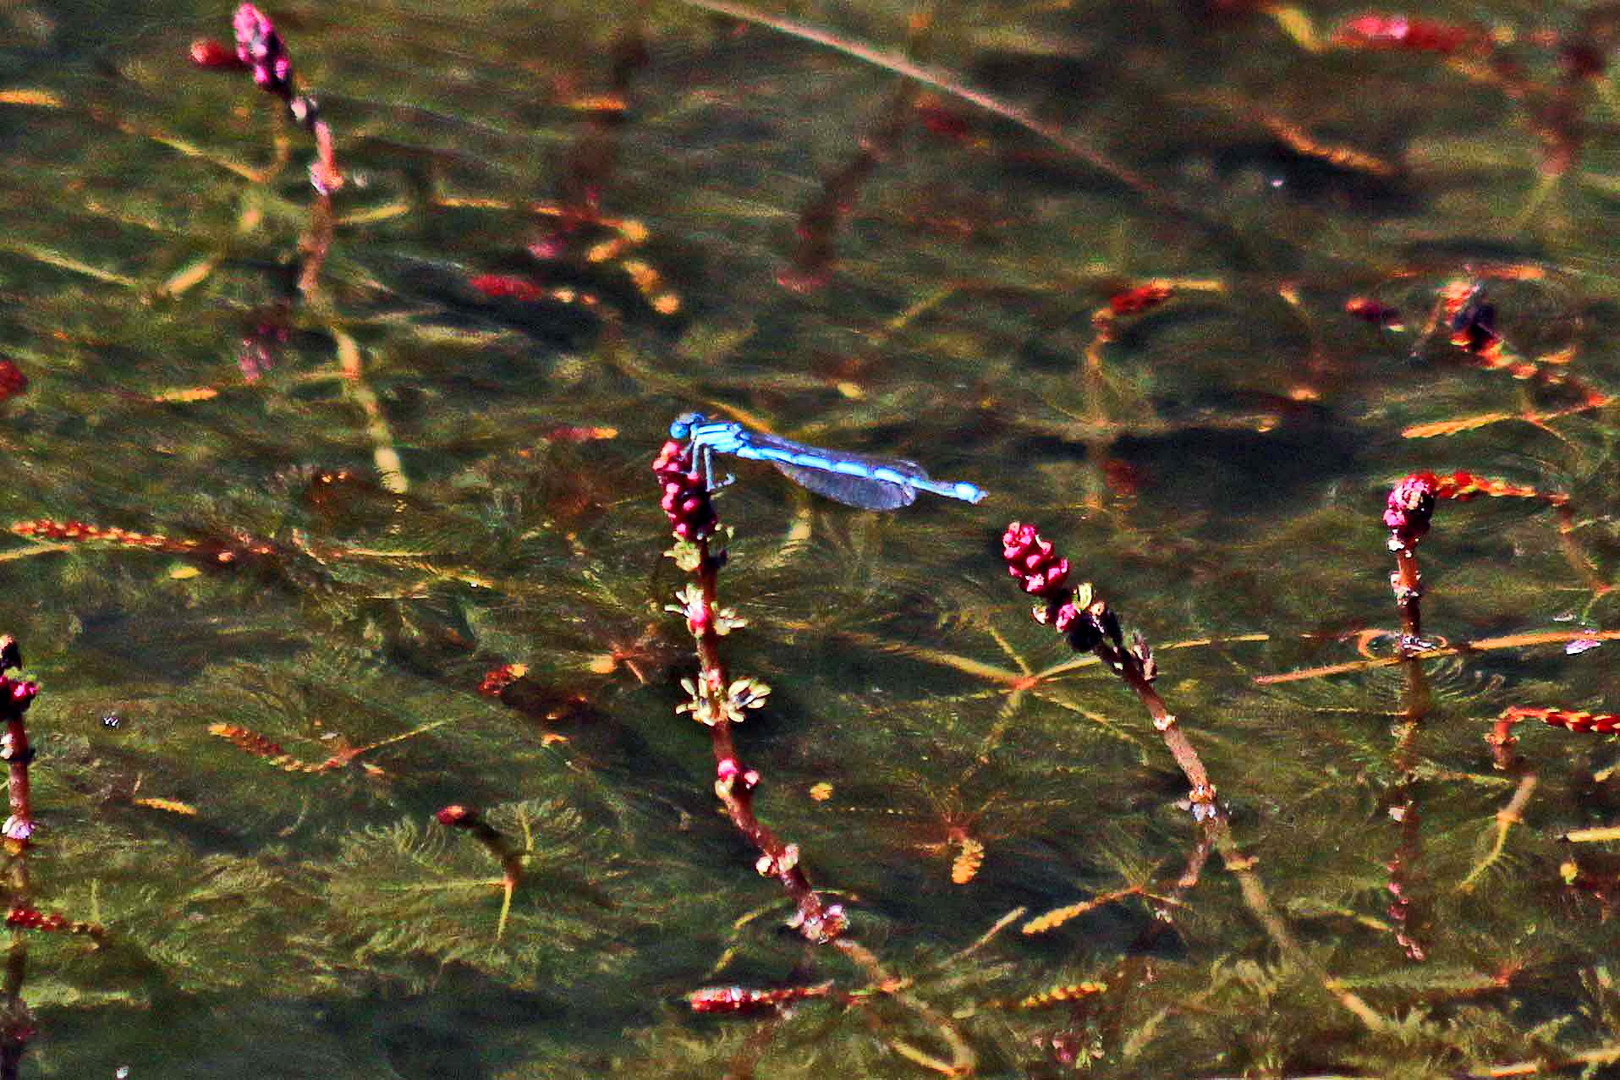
x=24, y=918
x=1045, y=574
x=12, y=380
x=15, y=694
x=455, y=815
x=685, y=493
x=1407, y=513
x=1034, y=562
x=262, y=50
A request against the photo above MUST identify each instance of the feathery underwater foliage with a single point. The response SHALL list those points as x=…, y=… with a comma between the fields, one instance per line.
x=332, y=513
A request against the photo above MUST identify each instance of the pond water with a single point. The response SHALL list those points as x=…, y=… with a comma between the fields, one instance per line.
x=331, y=511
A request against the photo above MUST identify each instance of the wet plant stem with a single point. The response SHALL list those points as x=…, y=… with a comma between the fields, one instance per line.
x=1405, y=907
x=1217, y=827
x=508, y=854
x=1405, y=581
x=1090, y=625
x=718, y=702
x=16, y=1021
x=818, y=921
x=1407, y=512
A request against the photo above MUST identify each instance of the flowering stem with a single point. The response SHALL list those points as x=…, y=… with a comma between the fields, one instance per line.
x=734, y=784
x=1408, y=594
x=1407, y=513
x=16, y=1021
x=717, y=701
x=1091, y=625
x=15, y=697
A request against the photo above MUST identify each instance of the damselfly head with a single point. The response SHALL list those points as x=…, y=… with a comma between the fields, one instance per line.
x=681, y=427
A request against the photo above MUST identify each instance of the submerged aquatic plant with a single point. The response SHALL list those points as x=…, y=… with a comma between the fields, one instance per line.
x=261, y=51
x=17, y=1028
x=716, y=700
x=1090, y=625
x=322, y=917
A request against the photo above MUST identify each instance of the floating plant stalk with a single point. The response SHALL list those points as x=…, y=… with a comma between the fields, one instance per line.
x=716, y=700
x=719, y=702
x=261, y=51
x=509, y=855
x=16, y=1021
x=1090, y=625
x=822, y=217
x=1407, y=512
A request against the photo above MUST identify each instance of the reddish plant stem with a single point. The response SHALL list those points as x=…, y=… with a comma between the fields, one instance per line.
x=818, y=921
x=591, y=160
x=718, y=702
x=17, y=754
x=823, y=217
x=1575, y=555
x=16, y=1021
x=316, y=244
x=1090, y=624
x=1406, y=583
x=1217, y=827
x=494, y=841
x=1407, y=512
x=1211, y=814
x=1408, y=907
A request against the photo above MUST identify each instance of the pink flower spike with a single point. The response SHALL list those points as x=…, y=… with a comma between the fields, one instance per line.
x=685, y=499
x=454, y=815
x=1409, y=508
x=261, y=48
x=1033, y=560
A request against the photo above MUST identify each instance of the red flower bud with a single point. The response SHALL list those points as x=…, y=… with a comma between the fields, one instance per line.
x=215, y=56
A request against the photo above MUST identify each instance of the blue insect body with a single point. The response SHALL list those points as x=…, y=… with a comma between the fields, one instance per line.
x=871, y=483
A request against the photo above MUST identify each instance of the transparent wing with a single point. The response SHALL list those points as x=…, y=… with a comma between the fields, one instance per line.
x=863, y=480
x=861, y=491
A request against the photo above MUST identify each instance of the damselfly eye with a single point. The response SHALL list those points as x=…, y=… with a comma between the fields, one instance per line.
x=681, y=427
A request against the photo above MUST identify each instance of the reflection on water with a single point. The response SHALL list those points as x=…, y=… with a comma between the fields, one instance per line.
x=330, y=374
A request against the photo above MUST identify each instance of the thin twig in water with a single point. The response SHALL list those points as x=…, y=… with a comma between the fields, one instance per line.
x=945, y=83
